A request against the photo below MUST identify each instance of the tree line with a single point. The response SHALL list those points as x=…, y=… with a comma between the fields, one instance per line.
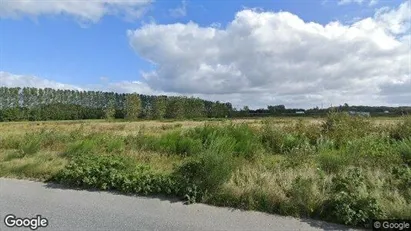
x=34, y=104
x=17, y=104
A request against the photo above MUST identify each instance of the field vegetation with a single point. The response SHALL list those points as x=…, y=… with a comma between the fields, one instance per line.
x=341, y=168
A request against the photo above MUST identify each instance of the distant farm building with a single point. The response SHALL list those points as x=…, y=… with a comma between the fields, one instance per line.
x=359, y=113
x=299, y=112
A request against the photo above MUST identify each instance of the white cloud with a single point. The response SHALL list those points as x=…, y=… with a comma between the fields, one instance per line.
x=359, y=2
x=373, y=3
x=345, y=2
x=265, y=58
x=83, y=10
x=179, y=11
x=14, y=80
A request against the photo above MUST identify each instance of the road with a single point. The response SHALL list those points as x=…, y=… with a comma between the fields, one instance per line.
x=68, y=209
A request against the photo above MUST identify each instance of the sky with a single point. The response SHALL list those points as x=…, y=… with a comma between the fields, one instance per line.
x=300, y=53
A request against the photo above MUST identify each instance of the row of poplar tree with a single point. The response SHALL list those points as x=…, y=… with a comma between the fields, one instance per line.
x=17, y=104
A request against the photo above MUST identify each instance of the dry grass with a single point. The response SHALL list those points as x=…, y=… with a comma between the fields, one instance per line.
x=148, y=127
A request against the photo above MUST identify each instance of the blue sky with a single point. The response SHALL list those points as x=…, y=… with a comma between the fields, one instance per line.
x=58, y=46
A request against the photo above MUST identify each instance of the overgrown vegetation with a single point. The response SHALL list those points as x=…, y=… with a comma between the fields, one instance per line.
x=347, y=169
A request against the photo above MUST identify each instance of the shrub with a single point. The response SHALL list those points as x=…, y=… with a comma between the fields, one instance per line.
x=402, y=130
x=310, y=133
x=372, y=151
x=207, y=171
x=401, y=179
x=300, y=155
x=278, y=141
x=342, y=128
x=404, y=149
x=351, y=203
x=332, y=161
x=114, y=172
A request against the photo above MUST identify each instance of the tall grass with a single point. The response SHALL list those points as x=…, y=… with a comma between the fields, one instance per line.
x=346, y=169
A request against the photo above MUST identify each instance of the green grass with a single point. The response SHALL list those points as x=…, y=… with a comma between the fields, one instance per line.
x=343, y=169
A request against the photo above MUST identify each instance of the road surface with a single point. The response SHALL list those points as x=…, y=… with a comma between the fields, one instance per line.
x=68, y=209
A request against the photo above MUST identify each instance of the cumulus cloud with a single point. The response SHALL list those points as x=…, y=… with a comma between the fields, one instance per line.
x=85, y=11
x=270, y=57
x=266, y=58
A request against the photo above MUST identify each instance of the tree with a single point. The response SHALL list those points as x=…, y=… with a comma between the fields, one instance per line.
x=194, y=108
x=175, y=107
x=246, y=111
x=110, y=110
x=132, y=106
x=159, y=107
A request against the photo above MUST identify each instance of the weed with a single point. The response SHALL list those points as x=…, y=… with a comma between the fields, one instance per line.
x=32, y=146
x=351, y=203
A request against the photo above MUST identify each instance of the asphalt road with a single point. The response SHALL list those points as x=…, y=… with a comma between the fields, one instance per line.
x=68, y=209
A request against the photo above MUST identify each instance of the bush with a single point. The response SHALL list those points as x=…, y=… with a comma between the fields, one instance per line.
x=402, y=130
x=332, y=161
x=404, y=149
x=278, y=141
x=342, y=128
x=207, y=171
x=114, y=172
x=351, y=203
x=310, y=133
x=401, y=179
x=372, y=151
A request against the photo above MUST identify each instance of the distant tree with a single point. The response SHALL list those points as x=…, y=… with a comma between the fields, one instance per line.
x=175, y=108
x=132, y=106
x=159, y=107
x=194, y=108
x=110, y=110
x=245, y=111
x=277, y=109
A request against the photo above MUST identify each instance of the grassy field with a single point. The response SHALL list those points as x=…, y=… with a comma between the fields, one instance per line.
x=342, y=169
